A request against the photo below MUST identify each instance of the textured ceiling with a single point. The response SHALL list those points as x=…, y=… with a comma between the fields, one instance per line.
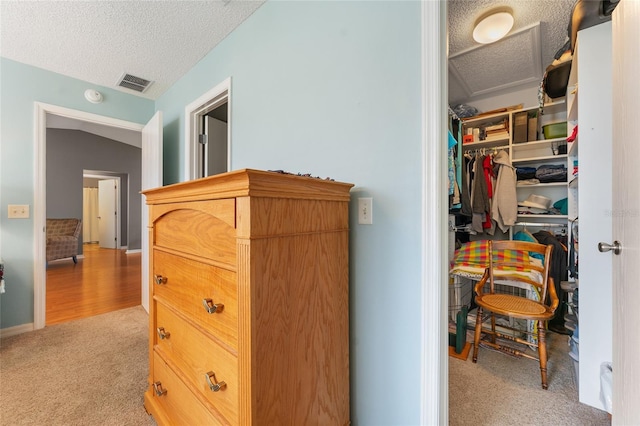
x=97, y=41
x=475, y=70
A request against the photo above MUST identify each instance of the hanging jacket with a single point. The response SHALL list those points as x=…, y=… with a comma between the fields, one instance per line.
x=504, y=209
x=465, y=192
x=489, y=177
x=480, y=202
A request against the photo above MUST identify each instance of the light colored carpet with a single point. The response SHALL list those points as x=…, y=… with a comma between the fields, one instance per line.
x=91, y=371
x=504, y=390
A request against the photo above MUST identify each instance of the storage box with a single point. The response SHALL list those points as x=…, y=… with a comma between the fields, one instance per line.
x=532, y=128
x=556, y=130
x=520, y=121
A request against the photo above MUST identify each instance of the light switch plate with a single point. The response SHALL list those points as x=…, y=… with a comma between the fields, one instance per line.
x=365, y=211
x=18, y=211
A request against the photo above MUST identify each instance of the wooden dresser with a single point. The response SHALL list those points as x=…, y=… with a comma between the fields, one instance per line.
x=249, y=304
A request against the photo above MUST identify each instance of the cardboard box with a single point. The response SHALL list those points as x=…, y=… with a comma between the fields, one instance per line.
x=520, y=127
x=533, y=128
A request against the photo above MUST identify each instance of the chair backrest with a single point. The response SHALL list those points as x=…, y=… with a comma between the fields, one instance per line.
x=515, y=261
x=70, y=227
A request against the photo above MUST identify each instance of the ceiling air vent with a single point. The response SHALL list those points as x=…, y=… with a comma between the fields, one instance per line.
x=134, y=83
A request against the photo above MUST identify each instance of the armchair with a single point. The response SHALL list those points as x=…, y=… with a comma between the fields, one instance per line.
x=62, y=238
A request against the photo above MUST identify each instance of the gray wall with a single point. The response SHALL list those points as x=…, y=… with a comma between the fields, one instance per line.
x=69, y=153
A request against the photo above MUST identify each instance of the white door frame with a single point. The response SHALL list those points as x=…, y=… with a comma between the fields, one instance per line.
x=205, y=103
x=434, y=356
x=151, y=177
x=40, y=180
x=118, y=203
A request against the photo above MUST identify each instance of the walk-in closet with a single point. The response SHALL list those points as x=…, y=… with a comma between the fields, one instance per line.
x=530, y=161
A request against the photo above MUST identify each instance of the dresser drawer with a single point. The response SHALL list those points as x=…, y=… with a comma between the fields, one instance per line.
x=188, y=285
x=196, y=355
x=176, y=400
x=198, y=232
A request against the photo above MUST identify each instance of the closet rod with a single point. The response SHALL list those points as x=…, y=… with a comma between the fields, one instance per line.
x=544, y=225
x=486, y=148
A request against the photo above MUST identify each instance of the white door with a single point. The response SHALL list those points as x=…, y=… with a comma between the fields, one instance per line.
x=107, y=213
x=151, y=178
x=626, y=213
x=595, y=146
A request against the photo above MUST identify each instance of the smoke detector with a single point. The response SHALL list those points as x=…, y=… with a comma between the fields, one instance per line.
x=132, y=82
x=93, y=96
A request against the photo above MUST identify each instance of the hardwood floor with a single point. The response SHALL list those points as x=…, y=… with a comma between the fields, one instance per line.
x=104, y=280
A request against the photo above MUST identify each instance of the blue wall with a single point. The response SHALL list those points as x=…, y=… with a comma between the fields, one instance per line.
x=328, y=88
x=22, y=85
x=333, y=89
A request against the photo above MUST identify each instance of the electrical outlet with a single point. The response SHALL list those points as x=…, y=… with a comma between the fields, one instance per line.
x=365, y=211
x=18, y=211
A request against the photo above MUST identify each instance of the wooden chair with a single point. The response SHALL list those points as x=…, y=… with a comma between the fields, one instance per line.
x=507, y=259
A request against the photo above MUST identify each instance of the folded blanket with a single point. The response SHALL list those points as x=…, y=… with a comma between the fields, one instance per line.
x=472, y=259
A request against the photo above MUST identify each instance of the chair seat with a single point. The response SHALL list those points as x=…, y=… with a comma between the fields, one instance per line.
x=516, y=306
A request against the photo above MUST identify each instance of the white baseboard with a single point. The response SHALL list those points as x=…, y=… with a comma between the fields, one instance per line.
x=18, y=329
x=133, y=251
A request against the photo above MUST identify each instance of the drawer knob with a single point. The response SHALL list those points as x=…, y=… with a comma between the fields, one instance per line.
x=162, y=334
x=159, y=279
x=211, y=307
x=157, y=387
x=214, y=385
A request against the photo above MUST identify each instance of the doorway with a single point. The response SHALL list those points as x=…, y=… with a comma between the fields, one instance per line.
x=151, y=153
x=213, y=141
x=103, y=218
x=208, y=133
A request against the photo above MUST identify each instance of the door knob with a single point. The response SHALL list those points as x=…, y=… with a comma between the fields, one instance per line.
x=616, y=247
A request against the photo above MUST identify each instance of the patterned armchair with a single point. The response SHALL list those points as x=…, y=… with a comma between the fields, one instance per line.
x=62, y=238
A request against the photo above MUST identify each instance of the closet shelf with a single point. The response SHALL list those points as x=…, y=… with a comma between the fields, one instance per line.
x=487, y=143
x=544, y=216
x=526, y=145
x=541, y=185
x=559, y=157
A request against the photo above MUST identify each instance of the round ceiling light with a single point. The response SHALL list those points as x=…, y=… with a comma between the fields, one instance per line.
x=493, y=26
x=93, y=96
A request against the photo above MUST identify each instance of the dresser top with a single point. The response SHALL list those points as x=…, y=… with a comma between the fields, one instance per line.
x=250, y=182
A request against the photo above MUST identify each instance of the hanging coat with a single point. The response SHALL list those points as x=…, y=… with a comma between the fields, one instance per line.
x=504, y=209
x=465, y=192
x=480, y=202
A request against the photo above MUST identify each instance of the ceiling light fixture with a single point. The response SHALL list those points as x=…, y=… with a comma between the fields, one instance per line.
x=493, y=25
x=93, y=96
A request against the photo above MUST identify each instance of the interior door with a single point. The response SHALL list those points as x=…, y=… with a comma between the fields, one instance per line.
x=626, y=213
x=216, y=152
x=151, y=178
x=107, y=213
